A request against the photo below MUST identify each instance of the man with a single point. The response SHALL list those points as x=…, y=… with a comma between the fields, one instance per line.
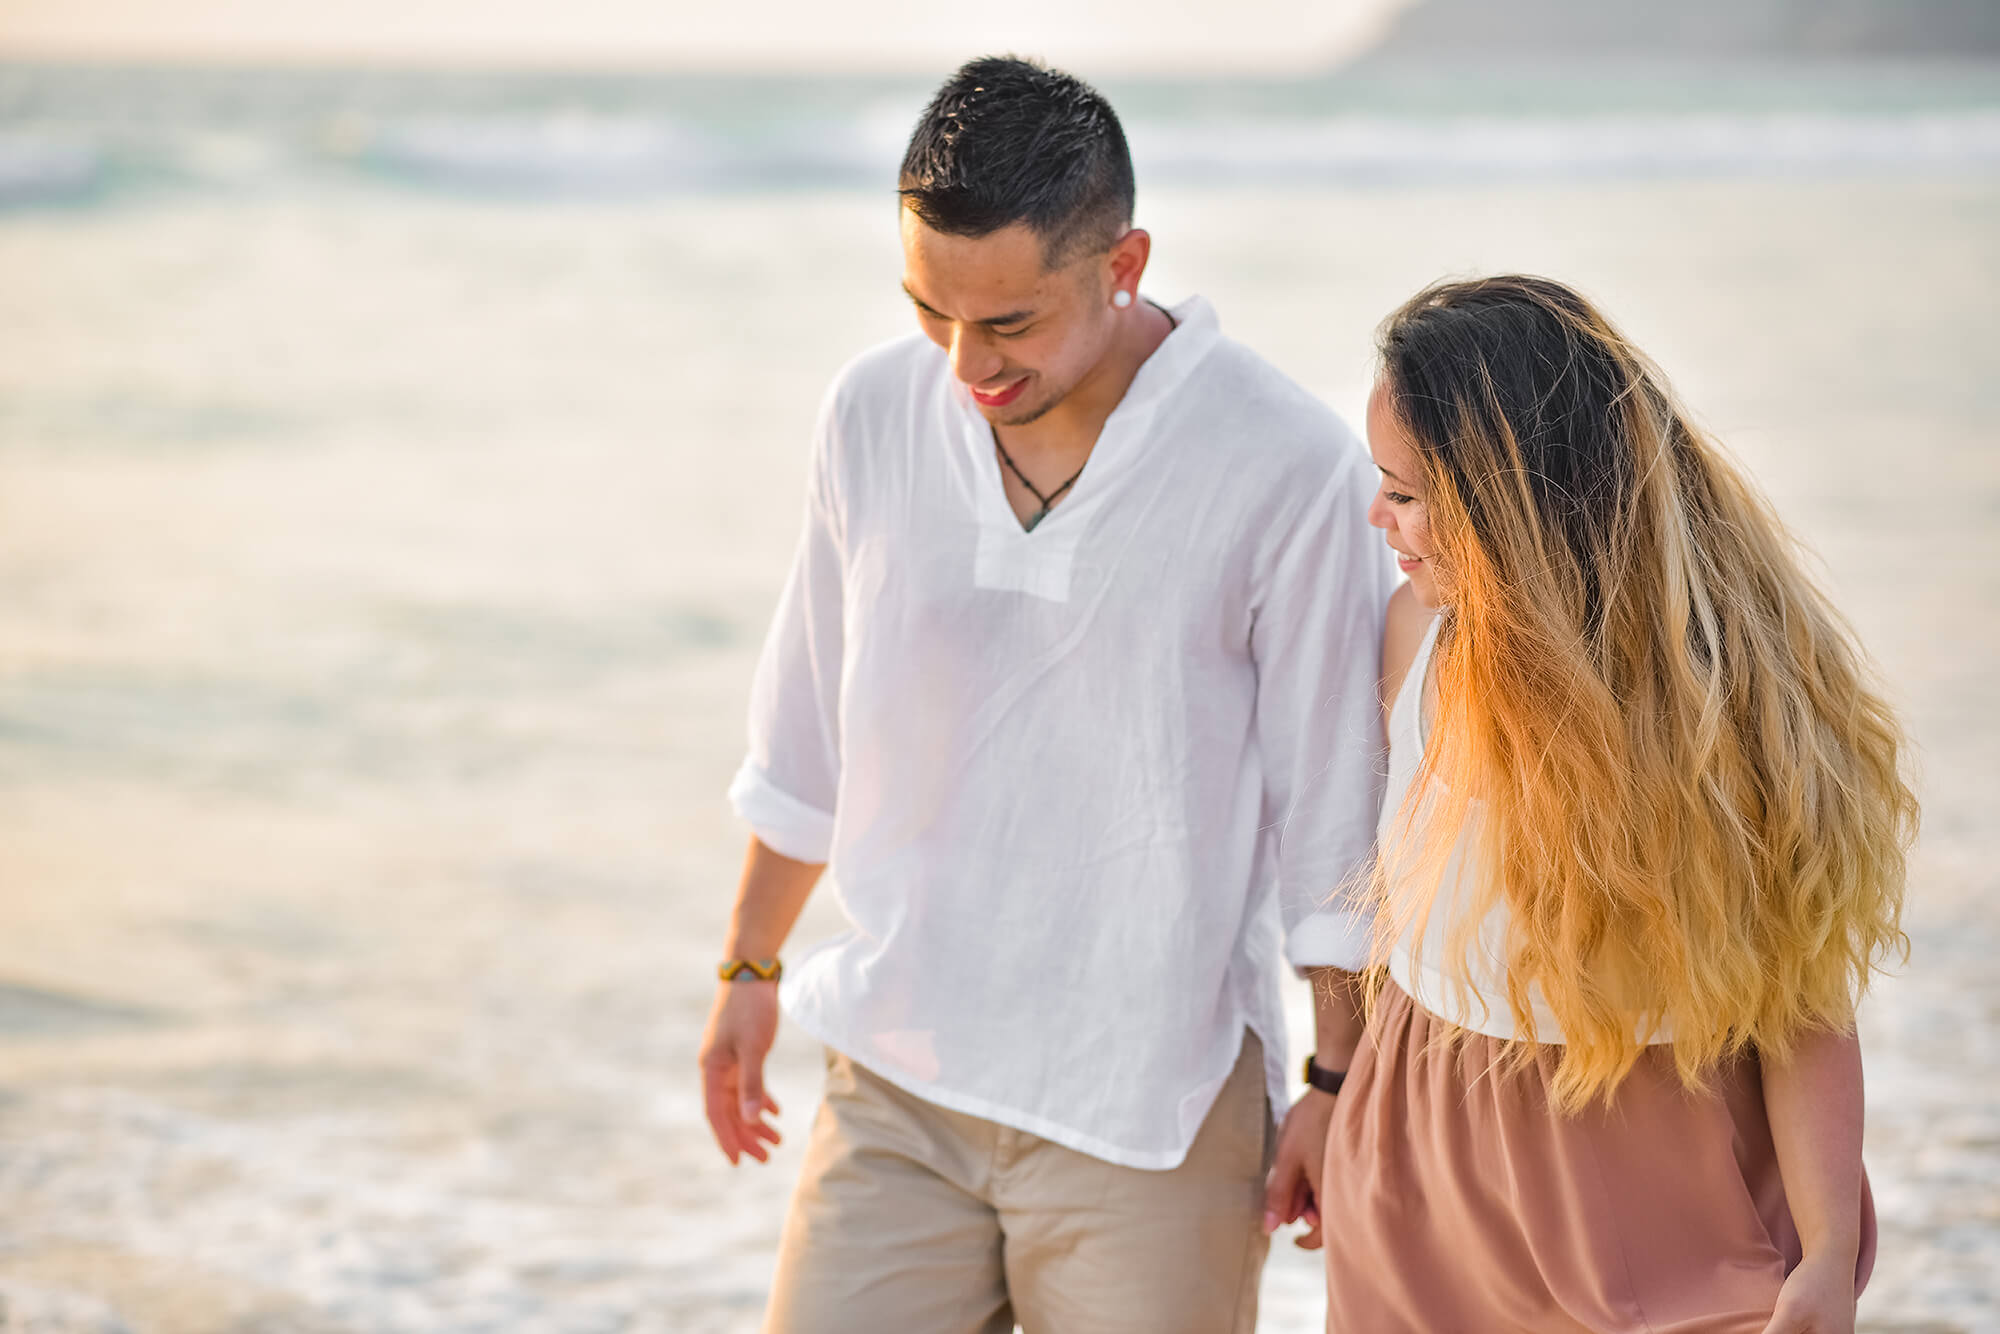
x=1073, y=689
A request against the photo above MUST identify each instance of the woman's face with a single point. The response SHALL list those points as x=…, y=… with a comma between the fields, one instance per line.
x=1399, y=508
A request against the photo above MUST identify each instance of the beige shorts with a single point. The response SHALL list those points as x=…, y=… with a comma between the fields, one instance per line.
x=912, y=1219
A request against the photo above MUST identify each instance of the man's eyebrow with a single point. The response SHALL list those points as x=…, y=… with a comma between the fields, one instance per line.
x=1011, y=317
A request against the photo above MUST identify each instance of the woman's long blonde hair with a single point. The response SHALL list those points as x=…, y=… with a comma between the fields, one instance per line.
x=1689, y=789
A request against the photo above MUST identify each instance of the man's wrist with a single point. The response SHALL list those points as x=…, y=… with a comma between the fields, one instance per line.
x=750, y=970
x=1318, y=1077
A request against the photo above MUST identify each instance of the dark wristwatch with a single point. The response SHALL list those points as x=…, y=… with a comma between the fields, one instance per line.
x=1323, y=1079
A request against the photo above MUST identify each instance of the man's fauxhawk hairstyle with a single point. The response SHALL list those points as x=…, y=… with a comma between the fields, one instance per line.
x=1007, y=140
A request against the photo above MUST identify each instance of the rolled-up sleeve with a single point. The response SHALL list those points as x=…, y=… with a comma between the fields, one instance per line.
x=786, y=788
x=1317, y=641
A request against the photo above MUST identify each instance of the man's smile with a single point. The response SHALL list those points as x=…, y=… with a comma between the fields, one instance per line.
x=1001, y=397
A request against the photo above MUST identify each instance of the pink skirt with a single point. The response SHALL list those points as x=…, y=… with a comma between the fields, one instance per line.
x=1456, y=1200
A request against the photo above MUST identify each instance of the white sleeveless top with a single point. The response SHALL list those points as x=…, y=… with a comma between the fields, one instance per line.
x=1485, y=1008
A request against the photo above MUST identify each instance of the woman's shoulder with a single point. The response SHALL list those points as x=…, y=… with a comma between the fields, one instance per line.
x=1408, y=622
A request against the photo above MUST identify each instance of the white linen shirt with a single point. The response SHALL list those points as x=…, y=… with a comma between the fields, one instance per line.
x=1072, y=785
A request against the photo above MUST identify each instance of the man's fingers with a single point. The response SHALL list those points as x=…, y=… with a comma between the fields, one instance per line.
x=750, y=1071
x=720, y=1104
x=1311, y=1240
x=1280, y=1189
x=725, y=1137
x=749, y=1135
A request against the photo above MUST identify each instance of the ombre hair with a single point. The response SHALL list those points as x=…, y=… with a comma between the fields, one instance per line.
x=1685, y=783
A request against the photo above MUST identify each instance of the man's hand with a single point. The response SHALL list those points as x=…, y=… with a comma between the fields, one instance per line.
x=1292, y=1191
x=740, y=1031
x=1818, y=1298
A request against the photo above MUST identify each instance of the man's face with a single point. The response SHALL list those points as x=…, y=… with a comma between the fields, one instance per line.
x=1020, y=336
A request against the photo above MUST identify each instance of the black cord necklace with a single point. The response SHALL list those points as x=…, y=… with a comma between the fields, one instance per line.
x=1047, y=501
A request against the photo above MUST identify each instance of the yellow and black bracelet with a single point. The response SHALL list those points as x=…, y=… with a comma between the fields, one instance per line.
x=763, y=970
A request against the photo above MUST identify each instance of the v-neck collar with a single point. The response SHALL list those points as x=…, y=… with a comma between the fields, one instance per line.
x=1195, y=332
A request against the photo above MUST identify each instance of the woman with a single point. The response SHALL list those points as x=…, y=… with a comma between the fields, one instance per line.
x=1642, y=846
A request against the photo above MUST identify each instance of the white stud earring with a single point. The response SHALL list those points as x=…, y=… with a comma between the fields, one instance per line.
x=1121, y=298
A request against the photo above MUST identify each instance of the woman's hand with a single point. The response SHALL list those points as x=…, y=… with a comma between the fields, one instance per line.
x=1818, y=1298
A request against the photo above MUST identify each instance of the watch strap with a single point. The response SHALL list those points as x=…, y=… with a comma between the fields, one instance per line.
x=1323, y=1079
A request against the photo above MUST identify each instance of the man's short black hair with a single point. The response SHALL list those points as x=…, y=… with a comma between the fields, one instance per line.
x=1007, y=140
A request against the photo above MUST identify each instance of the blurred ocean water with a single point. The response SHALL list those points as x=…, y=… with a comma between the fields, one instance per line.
x=93, y=134
x=396, y=476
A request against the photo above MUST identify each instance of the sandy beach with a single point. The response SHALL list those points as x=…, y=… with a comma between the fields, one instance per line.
x=380, y=577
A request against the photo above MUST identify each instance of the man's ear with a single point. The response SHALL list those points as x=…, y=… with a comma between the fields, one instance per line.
x=1126, y=261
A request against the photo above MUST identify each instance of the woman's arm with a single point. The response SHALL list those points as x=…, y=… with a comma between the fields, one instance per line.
x=1408, y=621
x=1813, y=1099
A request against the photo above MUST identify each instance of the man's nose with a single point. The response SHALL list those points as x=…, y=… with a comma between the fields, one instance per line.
x=972, y=358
